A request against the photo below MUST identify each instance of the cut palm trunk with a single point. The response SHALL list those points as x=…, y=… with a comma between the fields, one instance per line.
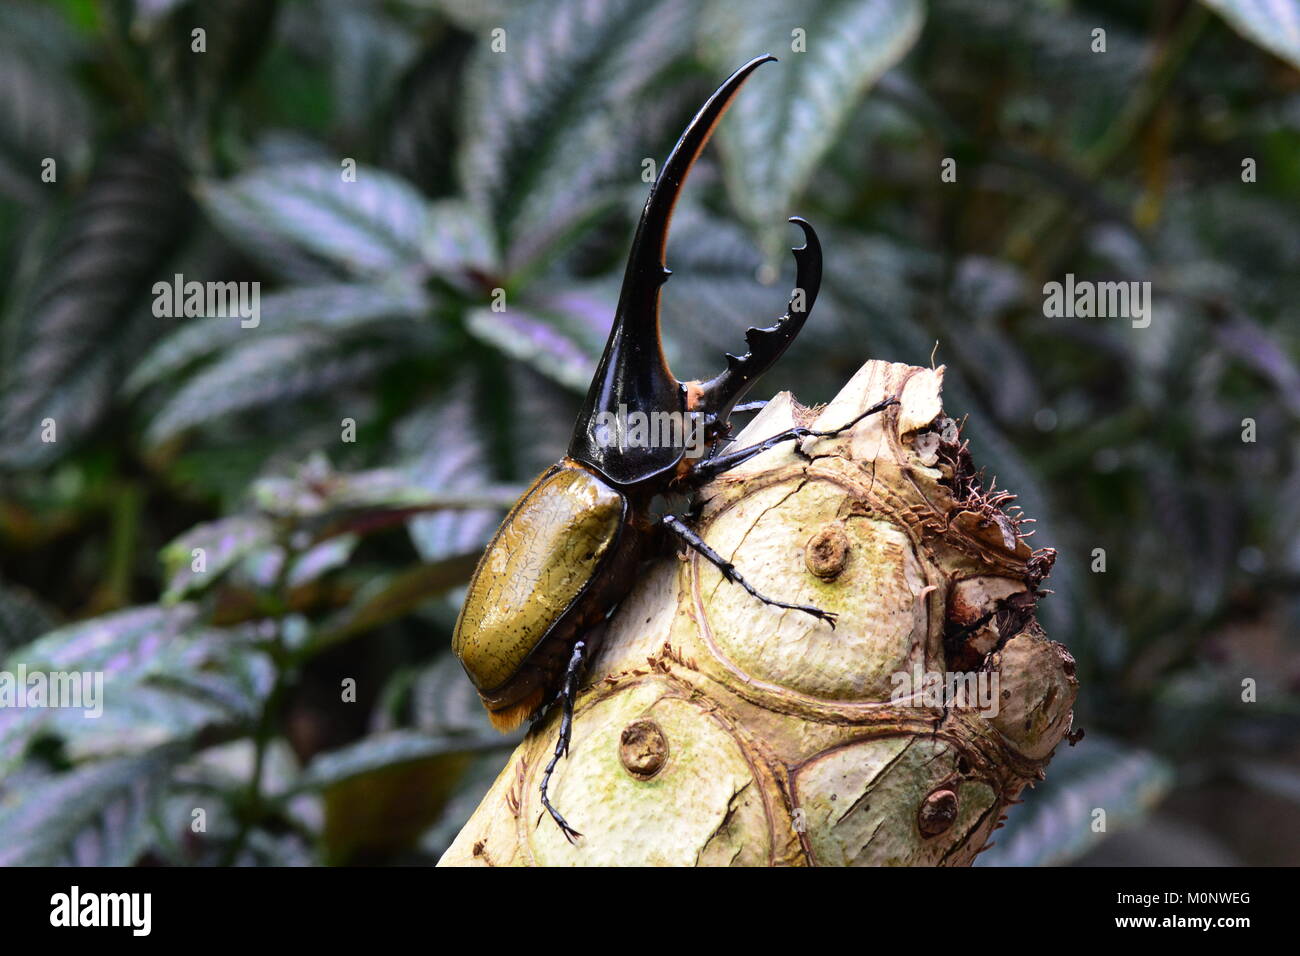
x=714, y=729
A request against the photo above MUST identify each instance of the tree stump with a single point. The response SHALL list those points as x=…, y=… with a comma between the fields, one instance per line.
x=712, y=729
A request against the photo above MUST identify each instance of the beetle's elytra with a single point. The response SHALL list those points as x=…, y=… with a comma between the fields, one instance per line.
x=535, y=585
x=569, y=550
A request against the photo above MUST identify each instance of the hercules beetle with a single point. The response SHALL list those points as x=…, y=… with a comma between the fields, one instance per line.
x=569, y=550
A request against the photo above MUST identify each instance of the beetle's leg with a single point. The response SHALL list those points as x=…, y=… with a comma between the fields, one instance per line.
x=710, y=468
x=728, y=570
x=569, y=692
x=727, y=438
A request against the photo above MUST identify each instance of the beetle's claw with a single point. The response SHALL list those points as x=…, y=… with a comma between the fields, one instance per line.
x=830, y=617
x=570, y=834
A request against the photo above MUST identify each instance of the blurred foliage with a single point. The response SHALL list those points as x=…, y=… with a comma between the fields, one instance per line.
x=332, y=564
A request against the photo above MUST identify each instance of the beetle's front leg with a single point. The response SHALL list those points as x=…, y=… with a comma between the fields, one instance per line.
x=728, y=570
x=726, y=438
x=568, y=693
x=708, y=469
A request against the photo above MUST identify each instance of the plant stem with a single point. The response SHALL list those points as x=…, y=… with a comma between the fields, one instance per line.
x=251, y=809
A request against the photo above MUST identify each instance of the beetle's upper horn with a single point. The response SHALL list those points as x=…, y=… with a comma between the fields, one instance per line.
x=646, y=270
x=633, y=372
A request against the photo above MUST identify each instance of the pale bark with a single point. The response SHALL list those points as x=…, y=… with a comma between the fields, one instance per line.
x=712, y=729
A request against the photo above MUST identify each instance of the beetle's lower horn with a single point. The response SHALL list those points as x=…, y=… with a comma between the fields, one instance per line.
x=719, y=395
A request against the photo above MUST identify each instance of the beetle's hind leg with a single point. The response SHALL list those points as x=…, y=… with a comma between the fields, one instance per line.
x=728, y=570
x=568, y=692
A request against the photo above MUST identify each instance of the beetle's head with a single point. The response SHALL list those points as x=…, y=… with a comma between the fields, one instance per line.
x=634, y=386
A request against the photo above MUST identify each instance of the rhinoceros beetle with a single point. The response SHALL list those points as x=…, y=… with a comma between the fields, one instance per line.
x=570, y=549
